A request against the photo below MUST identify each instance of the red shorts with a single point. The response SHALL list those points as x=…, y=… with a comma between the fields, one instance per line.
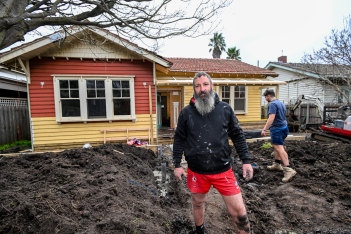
x=224, y=182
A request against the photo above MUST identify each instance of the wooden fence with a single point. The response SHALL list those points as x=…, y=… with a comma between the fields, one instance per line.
x=14, y=120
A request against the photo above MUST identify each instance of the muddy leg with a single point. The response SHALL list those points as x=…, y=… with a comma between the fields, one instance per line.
x=198, y=203
x=237, y=210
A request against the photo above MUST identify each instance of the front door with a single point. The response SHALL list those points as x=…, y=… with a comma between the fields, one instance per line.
x=175, y=102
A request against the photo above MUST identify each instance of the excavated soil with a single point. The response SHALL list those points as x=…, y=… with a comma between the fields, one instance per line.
x=112, y=189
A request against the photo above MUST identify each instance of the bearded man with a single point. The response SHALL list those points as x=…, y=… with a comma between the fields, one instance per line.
x=202, y=135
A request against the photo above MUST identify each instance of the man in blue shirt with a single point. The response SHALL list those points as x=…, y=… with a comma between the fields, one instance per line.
x=278, y=128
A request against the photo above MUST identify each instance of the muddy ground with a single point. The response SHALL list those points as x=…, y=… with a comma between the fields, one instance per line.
x=112, y=189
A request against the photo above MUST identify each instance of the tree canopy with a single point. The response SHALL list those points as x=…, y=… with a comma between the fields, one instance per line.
x=217, y=44
x=131, y=19
x=233, y=53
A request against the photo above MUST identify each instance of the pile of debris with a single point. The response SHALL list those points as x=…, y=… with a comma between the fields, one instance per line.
x=112, y=189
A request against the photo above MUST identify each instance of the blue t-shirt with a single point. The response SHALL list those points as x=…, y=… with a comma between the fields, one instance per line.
x=278, y=108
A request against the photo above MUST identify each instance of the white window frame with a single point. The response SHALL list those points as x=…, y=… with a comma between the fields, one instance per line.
x=83, y=97
x=231, y=102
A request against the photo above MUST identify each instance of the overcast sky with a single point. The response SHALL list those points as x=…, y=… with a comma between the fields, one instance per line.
x=262, y=29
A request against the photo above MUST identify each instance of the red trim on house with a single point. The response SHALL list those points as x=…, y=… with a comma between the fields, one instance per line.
x=41, y=70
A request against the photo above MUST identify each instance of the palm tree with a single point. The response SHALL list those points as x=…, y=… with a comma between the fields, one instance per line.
x=233, y=53
x=217, y=44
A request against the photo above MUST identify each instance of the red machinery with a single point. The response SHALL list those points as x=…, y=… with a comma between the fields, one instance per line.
x=340, y=130
x=336, y=131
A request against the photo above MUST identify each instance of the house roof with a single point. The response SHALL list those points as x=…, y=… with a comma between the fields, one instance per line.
x=313, y=70
x=218, y=66
x=14, y=81
x=40, y=45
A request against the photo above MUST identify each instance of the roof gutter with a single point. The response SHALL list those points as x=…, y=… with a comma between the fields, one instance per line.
x=293, y=70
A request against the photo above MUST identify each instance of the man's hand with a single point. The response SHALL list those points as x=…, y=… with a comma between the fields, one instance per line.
x=178, y=172
x=263, y=133
x=247, y=172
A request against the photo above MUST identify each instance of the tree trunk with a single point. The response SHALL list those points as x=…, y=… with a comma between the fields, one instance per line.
x=216, y=53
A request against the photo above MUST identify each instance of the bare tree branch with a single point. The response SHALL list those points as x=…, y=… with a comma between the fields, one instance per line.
x=141, y=19
x=335, y=56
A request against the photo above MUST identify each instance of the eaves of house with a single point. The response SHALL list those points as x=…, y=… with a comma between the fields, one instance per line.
x=292, y=68
x=23, y=53
x=14, y=81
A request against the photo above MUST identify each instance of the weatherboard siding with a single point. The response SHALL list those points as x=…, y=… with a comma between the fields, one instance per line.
x=253, y=105
x=42, y=97
x=50, y=135
x=331, y=95
x=188, y=94
x=302, y=85
x=285, y=91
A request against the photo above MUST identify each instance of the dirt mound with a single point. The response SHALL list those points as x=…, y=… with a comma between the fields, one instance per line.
x=317, y=200
x=107, y=189
x=112, y=189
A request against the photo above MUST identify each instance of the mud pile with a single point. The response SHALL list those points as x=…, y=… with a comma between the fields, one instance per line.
x=317, y=200
x=112, y=189
x=106, y=189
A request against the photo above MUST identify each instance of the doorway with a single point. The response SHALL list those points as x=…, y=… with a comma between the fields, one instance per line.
x=169, y=107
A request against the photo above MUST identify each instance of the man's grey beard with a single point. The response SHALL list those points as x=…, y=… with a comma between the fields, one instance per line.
x=204, y=105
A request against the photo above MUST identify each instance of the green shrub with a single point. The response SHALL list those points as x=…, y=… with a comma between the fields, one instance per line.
x=23, y=143
x=266, y=145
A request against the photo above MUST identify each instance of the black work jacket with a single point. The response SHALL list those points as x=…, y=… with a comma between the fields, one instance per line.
x=204, y=139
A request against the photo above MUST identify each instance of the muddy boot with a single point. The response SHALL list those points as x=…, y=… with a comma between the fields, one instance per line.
x=288, y=173
x=198, y=230
x=275, y=167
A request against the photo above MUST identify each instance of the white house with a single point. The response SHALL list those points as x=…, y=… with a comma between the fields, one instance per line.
x=301, y=79
x=12, y=84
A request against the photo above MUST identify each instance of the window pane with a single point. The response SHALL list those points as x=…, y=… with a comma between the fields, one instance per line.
x=116, y=84
x=96, y=108
x=236, y=94
x=125, y=93
x=90, y=84
x=121, y=106
x=73, y=84
x=117, y=93
x=70, y=108
x=225, y=100
x=125, y=84
x=64, y=94
x=242, y=94
x=239, y=104
x=100, y=84
x=100, y=93
x=74, y=93
x=239, y=88
x=63, y=84
x=91, y=93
